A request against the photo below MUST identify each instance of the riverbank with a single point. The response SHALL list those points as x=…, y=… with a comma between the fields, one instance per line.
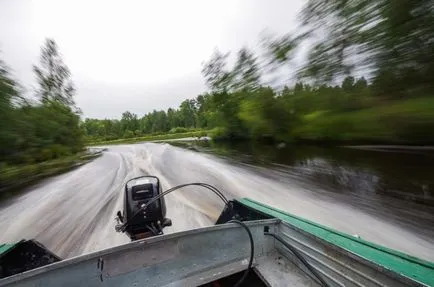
x=404, y=122
x=399, y=122
x=151, y=138
x=13, y=178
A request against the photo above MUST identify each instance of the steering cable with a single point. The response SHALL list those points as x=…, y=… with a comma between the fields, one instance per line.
x=223, y=198
x=252, y=248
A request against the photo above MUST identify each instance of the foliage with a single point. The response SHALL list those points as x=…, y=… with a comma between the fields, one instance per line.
x=12, y=177
x=53, y=76
x=9, y=92
x=399, y=122
x=47, y=129
x=390, y=42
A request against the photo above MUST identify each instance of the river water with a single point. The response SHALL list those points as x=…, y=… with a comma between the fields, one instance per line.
x=382, y=195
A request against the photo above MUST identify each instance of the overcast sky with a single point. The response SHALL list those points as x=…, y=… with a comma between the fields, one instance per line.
x=135, y=55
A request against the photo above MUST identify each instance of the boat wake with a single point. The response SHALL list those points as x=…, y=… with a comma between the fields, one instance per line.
x=74, y=213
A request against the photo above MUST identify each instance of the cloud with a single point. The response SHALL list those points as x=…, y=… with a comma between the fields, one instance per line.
x=109, y=100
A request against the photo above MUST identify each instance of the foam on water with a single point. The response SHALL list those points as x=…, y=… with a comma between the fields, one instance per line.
x=74, y=213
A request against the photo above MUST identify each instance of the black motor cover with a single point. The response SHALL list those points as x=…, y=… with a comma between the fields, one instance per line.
x=139, y=191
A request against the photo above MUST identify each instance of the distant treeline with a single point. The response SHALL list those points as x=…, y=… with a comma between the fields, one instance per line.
x=390, y=42
x=350, y=112
x=259, y=112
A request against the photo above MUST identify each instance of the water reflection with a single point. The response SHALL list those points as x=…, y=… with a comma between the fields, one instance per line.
x=395, y=184
x=406, y=175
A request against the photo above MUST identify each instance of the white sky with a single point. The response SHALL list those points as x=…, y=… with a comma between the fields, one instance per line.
x=135, y=55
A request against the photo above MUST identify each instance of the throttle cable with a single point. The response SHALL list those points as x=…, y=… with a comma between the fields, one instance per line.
x=224, y=199
x=252, y=249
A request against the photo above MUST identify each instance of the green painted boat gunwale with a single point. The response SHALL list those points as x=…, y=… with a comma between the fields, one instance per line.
x=6, y=247
x=409, y=266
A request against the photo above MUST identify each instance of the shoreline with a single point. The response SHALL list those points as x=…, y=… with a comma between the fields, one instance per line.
x=22, y=178
x=391, y=148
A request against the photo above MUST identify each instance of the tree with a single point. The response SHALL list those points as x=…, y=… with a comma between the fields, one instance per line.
x=187, y=111
x=53, y=76
x=394, y=37
x=33, y=132
x=245, y=74
x=160, y=123
x=173, y=118
x=58, y=115
x=257, y=113
x=348, y=84
x=286, y=92
x=361, y=84
x=9, y=92
x=215, y=72
x=129, y=122
x=390, y=39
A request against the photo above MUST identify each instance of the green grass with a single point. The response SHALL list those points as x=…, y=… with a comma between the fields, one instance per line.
x=14, y=177
x=403, y=122
x=313, y=116
x=162, y=137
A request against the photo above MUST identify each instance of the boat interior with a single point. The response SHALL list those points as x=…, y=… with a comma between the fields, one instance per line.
x=215, y=256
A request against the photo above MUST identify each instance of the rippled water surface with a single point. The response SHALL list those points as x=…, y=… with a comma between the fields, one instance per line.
x=385, y=196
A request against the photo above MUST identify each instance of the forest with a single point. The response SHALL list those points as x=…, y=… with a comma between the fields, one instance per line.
x=44, y=128
x=367, y=76
x=40, y=135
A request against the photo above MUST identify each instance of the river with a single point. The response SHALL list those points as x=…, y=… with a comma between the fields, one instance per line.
x=382, y=195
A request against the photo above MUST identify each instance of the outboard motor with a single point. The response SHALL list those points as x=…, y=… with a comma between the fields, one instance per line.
x=140, y=224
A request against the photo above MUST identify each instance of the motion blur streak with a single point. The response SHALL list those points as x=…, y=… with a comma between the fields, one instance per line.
x=74, y=213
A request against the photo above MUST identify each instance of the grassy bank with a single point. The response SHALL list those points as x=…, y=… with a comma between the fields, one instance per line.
x=13, y=178
x=169, y=136
x=402, y=122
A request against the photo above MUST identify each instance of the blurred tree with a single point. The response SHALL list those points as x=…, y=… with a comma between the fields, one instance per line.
x=258, y=113
x=286, y=92
x=391, y=41
x=58, y=115
x=33, y=132
x=361, y=84
x=348, y=84
x=53, y=76
x=9, y=92
x=246, y=74
x=215, y=72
